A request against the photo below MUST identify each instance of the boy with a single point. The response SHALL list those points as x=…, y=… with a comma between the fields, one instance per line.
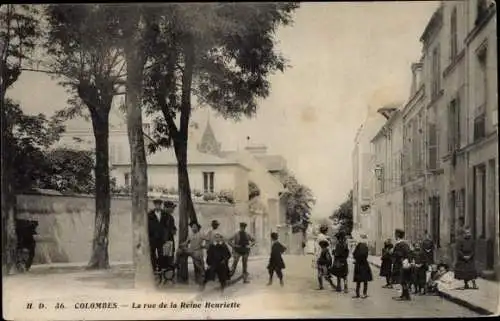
x=276, y=263
x=324, y=264
x=218, y=256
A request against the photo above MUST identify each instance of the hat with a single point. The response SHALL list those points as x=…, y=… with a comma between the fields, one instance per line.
x=157, y=201
x=340, y=234
x=243, y=224
x=169, y=204
x=215, y=222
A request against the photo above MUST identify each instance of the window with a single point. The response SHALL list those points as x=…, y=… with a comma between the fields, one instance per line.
x=453, y=35
x=452, y=207
x=435, y=219
x=482, y=77
x=454, y=125
x=208, y=182
x=127, y=179
x=433, y=148
x=479, y=127
x=436, y=74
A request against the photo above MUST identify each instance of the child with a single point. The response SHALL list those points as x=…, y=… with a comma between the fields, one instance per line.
x=362, y=270
x=439, y=273
x=276, y=263
x=324, y=264
x=386, y=267
x=420, y=270
x=218, y=256
x=340, y=268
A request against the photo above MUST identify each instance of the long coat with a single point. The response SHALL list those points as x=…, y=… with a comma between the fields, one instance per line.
x=340, y=267
x=386, y=266
x=401, y=252
x=163, y=230
x=362, y=270
x=465, y=267
x=276, y=260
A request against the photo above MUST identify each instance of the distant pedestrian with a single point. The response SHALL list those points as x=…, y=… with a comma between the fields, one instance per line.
x=386, y=266
x=218, y=256
x=276, y=263
x=324, y=264
x=362, y=270
x=241, y=243
x=340, y=267
x=401, y=266
x=465, y=268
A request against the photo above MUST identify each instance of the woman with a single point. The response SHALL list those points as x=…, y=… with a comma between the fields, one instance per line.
x=362, y=270
x=386, y=266
x=465, y=268
x=340, y=268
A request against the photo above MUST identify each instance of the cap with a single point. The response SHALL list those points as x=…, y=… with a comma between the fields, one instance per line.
x=243, y=224
x=169, y=204
x=157, y=201
x=215, y=222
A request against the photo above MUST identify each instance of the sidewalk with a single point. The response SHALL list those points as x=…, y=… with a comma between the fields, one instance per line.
x=484, y=301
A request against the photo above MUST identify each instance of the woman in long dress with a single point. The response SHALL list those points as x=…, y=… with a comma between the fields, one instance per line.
x=465, y=268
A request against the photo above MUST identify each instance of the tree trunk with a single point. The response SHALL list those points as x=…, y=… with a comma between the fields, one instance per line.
x=186, y=207
x=9, y=237
x=100, y=256
x=135, y=64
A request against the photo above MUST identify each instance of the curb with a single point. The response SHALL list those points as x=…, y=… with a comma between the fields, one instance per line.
x=456, y=300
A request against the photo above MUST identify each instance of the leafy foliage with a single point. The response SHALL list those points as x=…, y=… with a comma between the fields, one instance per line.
x=344, y=214
x=300, y=201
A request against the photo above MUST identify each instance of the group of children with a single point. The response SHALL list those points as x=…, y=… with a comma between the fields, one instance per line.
x=333, y=263
x=424, y=274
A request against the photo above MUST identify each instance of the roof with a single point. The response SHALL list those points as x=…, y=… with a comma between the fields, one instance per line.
x=272, y=162
x=209, y=143
x=166, y=157
x=434, y=23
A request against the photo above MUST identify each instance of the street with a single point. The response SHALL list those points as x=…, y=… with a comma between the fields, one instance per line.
x=299, y=297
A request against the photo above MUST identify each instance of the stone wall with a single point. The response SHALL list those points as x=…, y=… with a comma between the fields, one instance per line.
x=66, y=225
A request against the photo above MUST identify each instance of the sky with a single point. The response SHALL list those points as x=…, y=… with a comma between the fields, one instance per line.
x=347, y=59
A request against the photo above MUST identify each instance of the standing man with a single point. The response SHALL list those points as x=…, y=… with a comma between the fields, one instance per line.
x=193, y=247
x=428, y=249
x=241, y=243
x=402, y=267
x=170, y=231
x=157, y=234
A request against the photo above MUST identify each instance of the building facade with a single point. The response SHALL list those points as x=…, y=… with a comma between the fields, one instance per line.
x=387, y=200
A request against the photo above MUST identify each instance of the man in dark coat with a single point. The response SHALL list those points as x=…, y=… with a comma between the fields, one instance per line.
x=362, y=270
x=401, y=266
x=465, y=268
x=428, y=249
x=386, y=266
x=161, y=229
x=340, y=267
x=276, y=263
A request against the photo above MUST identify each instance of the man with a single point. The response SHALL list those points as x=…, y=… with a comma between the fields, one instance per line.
x=193, y=247
x=428, y=249
x=171, y=230
x=241, y=243
x=402, y=267
x=156, y=232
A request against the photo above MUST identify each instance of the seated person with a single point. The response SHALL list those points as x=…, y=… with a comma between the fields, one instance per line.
x=440, y=276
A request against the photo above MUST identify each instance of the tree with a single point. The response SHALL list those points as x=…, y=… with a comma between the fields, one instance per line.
x=300, y=201
x=221, y=53
x=18, y=32
x=344, y=214
x=85, y=55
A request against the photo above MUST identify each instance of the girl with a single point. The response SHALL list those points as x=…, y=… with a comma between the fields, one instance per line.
x=340, y=267
x=386, y=267
x=362, y=270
